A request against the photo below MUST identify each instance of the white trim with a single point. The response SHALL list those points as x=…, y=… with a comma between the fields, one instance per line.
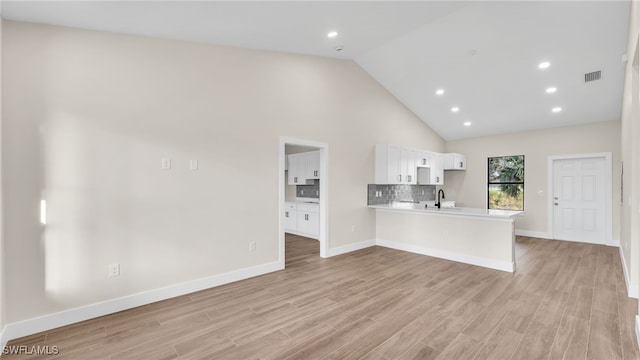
x=614, y=243
x=351, y=247
x=535, y=234
x=608, y=233
x=448, y=255
x=66, y=317
x=3, y=338
x=324, y=191
x=638, y=329
x=632, y=290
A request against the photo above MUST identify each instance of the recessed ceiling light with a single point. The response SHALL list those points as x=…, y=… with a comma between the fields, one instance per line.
x=467, y=123
x=544, y=65
x=455, y=109
x=332, y=34
x=551, y=90
x=556, y=109
x=439, y=91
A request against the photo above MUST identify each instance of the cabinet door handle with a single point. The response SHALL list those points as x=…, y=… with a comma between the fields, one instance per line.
x=295, y=179
x=409, y=180
x=286, y=214
x=437, y=178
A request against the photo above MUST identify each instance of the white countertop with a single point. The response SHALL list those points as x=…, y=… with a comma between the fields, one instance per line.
x=459, y=211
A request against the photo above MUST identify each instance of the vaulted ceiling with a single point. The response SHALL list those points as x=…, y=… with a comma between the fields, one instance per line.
x=484, y=55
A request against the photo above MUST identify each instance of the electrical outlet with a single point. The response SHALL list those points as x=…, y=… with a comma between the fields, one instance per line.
x=193, y=165
x=114, y=270
x=252, y=245
x=165, y=164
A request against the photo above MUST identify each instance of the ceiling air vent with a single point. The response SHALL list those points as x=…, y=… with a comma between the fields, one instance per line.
x=592, y=76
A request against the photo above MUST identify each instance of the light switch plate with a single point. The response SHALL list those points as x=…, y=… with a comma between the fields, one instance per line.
x=193, y=165
x=114, y=270
x=165, y=164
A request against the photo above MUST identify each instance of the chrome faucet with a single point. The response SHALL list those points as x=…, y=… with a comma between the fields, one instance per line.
x=438, y=203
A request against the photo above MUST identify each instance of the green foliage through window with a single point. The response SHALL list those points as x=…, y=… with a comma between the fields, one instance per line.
x=506, y=182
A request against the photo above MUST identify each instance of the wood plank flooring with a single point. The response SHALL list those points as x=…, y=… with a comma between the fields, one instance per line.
x=565, y=301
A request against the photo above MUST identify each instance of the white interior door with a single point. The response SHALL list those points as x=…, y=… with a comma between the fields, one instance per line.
x=579, y=200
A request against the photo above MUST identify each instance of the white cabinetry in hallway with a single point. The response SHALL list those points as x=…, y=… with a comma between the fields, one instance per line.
x=297, y=169
x=290, y=213
x=303, y=168
x=302, y=219
x=312, y=164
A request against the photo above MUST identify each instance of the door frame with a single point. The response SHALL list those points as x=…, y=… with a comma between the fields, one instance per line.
x=608, y=233
x=324, y=192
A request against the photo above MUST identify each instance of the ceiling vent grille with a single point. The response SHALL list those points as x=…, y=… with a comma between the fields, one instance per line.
x=592, y=76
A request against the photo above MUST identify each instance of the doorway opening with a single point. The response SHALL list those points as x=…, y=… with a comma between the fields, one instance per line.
x=580, y=204
x=303, y=193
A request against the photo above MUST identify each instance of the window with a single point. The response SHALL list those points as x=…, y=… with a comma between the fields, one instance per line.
x=506, y=182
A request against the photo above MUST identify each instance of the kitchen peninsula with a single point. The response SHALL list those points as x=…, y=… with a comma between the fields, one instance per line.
x=474, y=236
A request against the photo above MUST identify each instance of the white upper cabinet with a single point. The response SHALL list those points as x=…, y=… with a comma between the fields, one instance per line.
x=408, y=165
x=388, y=164
x=398, y=165
x=303, y=168
x=431, y=168
x=312, y=164
x=395, y=165
x=297, y=169
x=437, y=169
x=423, y=158
x=453, y=161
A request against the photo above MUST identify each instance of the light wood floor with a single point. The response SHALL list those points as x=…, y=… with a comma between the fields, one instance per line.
x=565, y=301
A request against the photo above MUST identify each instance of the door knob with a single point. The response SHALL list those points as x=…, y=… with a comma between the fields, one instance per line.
x=556, y=204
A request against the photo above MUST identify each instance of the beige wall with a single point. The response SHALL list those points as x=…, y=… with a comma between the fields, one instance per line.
x=630, y=210
x=88, y=116
x=469, y=187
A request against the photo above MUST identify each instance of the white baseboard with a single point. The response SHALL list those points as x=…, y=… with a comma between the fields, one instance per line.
x=3, y=338
x=349, y=248
x=66, y=317
x=535, y=234
x=638, y=329
x=448, y=255
x=614, y=243
x=632, y=290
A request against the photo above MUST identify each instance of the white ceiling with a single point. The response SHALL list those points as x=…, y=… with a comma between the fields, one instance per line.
x=483, y=53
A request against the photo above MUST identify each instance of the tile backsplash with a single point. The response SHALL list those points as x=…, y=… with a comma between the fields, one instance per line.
x=400, y=193
x=309, y=191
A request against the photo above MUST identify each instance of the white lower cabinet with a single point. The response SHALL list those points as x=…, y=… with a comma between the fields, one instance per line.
x=290, y=216
x=302, y=219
